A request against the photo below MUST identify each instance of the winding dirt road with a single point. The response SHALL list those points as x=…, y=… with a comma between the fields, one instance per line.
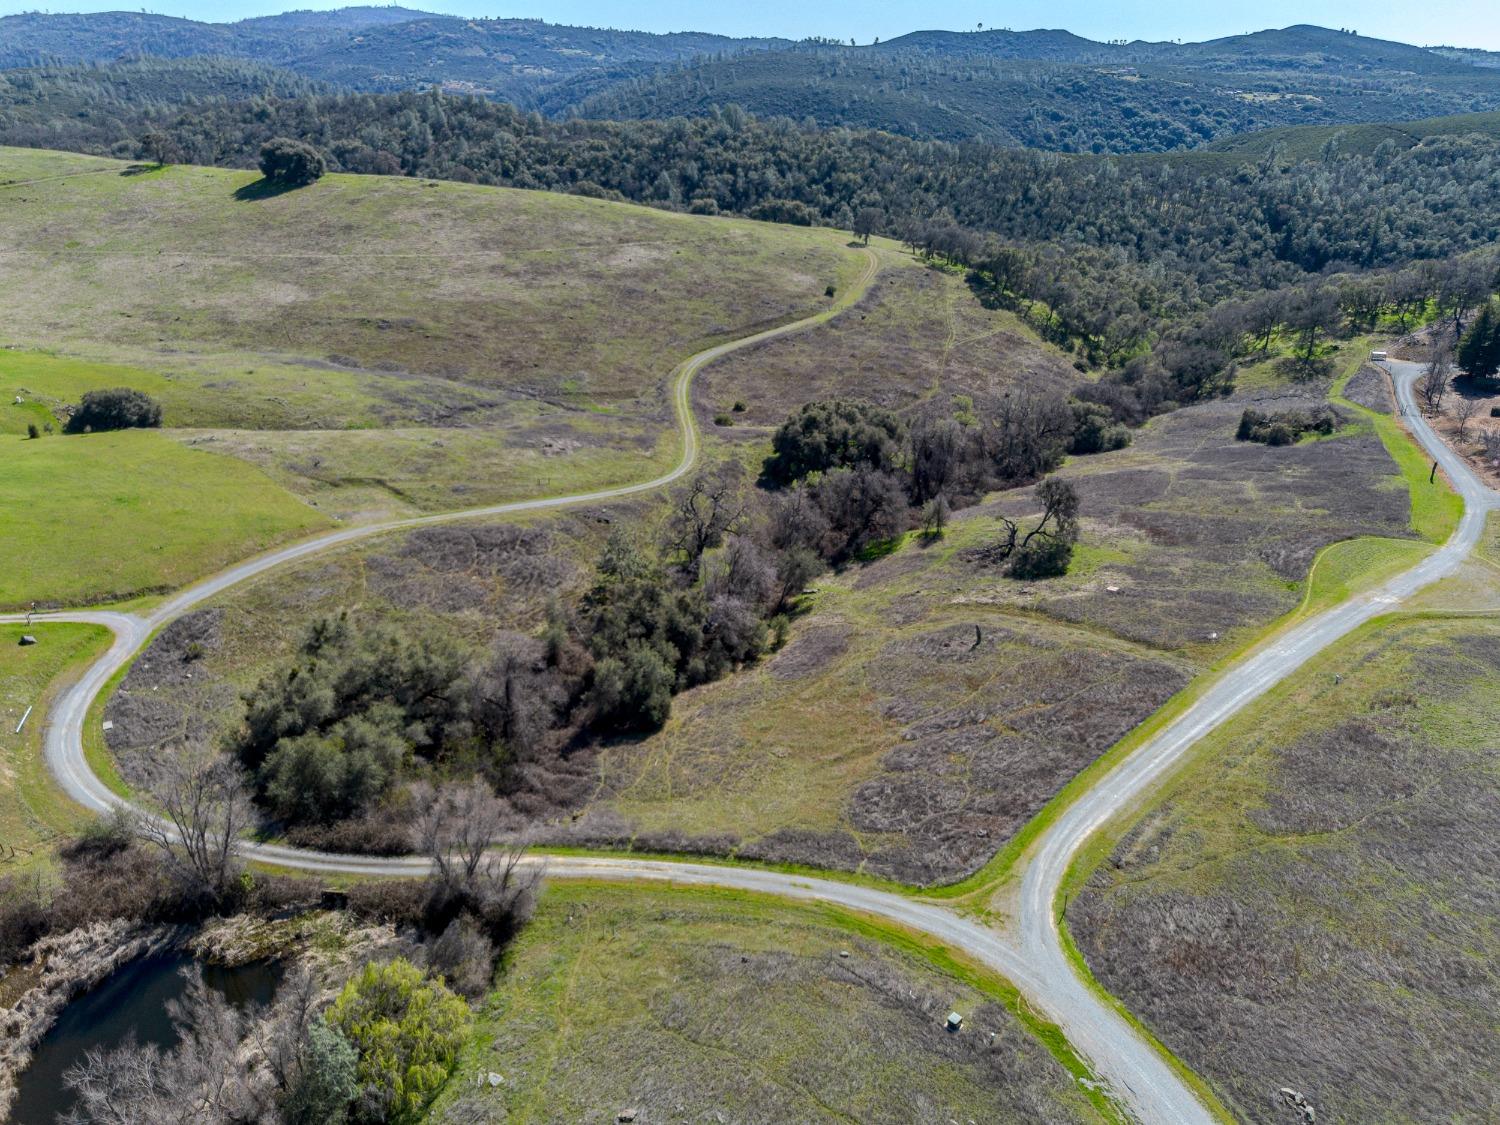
x=1138, y=1077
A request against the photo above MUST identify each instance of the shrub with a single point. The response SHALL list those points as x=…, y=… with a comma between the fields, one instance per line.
x=632, y=692
x=1042, y=558
x=119, y=408
x=792, y=211
x=401, y=902
x=326, y=1082
x=24, y=915
x=327, y=737
x=290, y=163
x=32, y=432
x=1095, y=429
x=464, y=958
x=407, y=1030
x=378, y=832
x=1285, y=427
x=722, y=419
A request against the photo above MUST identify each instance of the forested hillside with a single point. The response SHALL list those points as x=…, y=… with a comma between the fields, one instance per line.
x=1209, y=232
x=1039, y=89
x=91, y=108
x=1085, y=97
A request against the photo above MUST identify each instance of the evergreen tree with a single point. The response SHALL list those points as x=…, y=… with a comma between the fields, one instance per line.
x=1479, y=350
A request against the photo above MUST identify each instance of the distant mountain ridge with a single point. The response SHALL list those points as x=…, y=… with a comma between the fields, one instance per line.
x=1048, y=89
x=1055, y=90
x=364, y=48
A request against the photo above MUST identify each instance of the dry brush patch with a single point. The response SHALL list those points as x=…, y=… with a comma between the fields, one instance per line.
x=1314, y=906
x=919, y=333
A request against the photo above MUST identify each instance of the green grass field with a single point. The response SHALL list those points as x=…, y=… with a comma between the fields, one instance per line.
x=509, y=339
x=103, y=517
x=686, y=1003
x=32, y=809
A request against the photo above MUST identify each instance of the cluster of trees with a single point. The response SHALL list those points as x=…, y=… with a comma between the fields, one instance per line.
x=1286, y=427
x=1478, y=350
x=119, y=408
x=1049, y=91
x=1117, y=314
x=327, y=737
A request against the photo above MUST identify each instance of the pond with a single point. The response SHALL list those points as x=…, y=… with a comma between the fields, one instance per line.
x=132, y=1000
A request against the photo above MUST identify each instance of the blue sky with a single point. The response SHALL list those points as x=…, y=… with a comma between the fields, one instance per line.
x=1473, y=23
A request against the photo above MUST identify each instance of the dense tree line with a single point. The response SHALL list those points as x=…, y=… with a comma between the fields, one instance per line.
x=1196, y=231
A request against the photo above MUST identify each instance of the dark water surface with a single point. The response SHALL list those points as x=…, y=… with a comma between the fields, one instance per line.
x=132, y=1000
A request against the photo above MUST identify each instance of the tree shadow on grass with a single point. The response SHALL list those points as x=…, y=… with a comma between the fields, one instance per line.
x=264, y=189
x=140, y=169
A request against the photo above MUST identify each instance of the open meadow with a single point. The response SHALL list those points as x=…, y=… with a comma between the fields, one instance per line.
x=700, y=1006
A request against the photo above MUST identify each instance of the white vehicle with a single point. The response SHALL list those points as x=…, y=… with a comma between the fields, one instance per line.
x=1379, y=357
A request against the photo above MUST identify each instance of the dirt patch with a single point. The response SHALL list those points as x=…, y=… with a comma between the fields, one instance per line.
x=918, y=332
x=986, y=745
x=171, y=697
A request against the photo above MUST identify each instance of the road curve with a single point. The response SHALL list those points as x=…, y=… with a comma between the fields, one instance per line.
x=63, y=740
x=1138, y=1077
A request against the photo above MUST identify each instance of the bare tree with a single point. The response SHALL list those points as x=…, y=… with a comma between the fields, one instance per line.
x=282, y=1040
x=207, y=807
x=1464, y=412
x=1490, y=441
x=201, y=1079
x=711, y=505
x=455, y=827
x=1434, y=382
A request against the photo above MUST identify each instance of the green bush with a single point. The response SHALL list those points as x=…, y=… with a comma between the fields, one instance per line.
x=835, y=434
x=291, y=163
x=327, y=1081
x=1095, y=429
x=407, y=1030
x=326, y=737
x=1287, y=426
x=1042, y=558
x=633, y=692
x=118, y=408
